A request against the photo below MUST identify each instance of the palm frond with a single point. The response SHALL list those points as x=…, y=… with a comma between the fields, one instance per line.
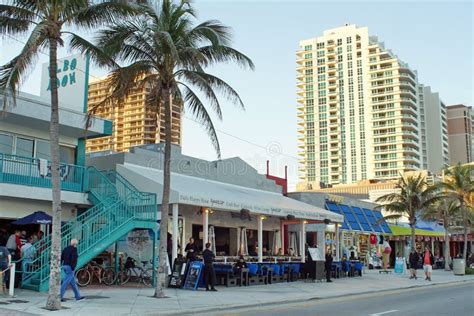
x=98, y=14
x=198, y=110
x=224, y=54
x=14, y=71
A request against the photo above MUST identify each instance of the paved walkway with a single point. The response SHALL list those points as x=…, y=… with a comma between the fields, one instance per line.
x=138, y=301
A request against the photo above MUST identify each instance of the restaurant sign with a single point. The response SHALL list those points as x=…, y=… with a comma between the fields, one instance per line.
x=257, y=208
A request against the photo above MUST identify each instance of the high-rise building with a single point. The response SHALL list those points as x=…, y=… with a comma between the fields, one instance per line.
x=133, y=123
x=460, y=133
x=358, y=110
x=434, y=130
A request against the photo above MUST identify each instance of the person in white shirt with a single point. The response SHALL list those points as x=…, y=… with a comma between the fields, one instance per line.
x=28, y=252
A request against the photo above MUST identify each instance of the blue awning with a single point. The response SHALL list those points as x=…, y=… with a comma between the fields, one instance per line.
x=383, y=223
x=362, y=220
x=373, y=222
x=359, y=218
x=331, y=206
x=353, y=223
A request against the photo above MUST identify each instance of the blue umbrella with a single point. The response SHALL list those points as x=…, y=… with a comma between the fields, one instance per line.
x=38, y=217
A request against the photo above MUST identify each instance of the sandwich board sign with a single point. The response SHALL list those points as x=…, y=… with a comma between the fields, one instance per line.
x=193, y=276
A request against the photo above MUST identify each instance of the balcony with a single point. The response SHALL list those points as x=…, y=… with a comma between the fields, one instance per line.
x=35, y=172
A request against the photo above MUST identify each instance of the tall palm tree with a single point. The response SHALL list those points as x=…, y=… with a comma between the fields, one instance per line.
x=45, y=24
x=167, y=53
x=447, y=211
x=411, y=197
x=459, y=183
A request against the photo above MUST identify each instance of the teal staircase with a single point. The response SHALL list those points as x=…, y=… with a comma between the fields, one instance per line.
x=118, y=208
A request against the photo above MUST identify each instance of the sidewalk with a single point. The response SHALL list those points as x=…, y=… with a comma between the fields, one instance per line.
x=137, y=301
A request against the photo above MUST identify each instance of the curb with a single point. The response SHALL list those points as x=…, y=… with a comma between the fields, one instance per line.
x=298, y=300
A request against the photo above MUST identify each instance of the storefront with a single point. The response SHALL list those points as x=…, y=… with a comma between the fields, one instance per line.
x=238, y=210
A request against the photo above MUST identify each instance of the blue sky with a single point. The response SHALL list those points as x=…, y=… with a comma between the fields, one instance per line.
x=434, y=37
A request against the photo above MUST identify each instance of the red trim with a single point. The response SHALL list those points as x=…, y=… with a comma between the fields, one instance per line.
x=283, y=182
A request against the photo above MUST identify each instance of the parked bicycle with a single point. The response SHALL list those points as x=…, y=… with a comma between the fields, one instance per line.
x=133, y=270
x=103, y=275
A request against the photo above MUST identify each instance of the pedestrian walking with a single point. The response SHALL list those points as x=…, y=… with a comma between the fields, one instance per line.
x=413, y=261
x=191, y=250
x=209, y=274
x=69, y=261
x=428, y=261
x=328, y=266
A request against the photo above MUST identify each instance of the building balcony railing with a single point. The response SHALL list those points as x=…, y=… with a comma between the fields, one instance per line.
x=37, y=172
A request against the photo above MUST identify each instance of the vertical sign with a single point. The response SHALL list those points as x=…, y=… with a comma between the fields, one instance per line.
x=73, y=77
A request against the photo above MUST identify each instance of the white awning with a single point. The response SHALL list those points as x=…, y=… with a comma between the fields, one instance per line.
x=222, y=196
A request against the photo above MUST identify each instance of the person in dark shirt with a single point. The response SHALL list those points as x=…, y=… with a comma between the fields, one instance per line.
x=413, y=260
x=209, y=274
x=239, y=265
x=191, y=250
x=5, y=262
x=328, y=266
x=69, y=261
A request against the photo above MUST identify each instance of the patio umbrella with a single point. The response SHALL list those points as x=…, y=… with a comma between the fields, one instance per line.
x=294, y=242
x=212, y=239
x=243, y=242
x=38, y=217
x=276, y=242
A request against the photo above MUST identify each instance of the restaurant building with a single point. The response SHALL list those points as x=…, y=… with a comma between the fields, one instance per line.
x=226, y=202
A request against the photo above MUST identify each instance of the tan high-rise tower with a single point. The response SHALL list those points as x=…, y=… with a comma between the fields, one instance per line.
x=133, y=124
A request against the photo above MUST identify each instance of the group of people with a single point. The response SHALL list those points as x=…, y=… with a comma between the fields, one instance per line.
x=18, y=246
x=427, y=259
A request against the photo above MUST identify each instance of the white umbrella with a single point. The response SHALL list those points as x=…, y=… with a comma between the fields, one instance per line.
x=212, y=239
x=243, y=242
x=294, y=242
x=276, y=241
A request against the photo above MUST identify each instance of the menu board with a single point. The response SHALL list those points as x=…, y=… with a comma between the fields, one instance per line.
x=177, y=276
x=194, y=273
x=316, y=254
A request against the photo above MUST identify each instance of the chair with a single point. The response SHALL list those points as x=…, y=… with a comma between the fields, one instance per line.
x=276, y=273
x=255, y=274
x=267, y=272
x=358, y=267
x=295, y=272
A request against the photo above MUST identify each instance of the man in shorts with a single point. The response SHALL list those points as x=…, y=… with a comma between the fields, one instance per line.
x=428, y=261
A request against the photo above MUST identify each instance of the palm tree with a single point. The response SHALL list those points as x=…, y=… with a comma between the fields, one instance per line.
x=167, y=53
x=447, y=211
x=44, y=23
x=459, y=184
x=412, y=196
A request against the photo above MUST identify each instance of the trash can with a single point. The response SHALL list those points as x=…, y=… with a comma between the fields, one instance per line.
x=459, y=267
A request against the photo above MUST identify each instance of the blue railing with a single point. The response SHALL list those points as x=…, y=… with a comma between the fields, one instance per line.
x=37, y=172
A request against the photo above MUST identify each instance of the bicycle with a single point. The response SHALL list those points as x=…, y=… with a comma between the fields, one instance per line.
x=131, y=269
x=103, y=275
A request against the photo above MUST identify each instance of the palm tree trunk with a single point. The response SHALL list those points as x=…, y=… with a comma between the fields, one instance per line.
x=162, y=271
x=54, y=302
x=413, y=233
x=446, y=248
x=465, y=222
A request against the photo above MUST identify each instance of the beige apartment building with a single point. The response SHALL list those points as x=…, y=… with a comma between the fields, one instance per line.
x=460, y=133
x=133, y=123
x=358, y=110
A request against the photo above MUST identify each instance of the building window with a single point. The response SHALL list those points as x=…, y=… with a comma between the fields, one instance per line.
x=308, y=47
x=24, y=147
x=349, y=40
x=43, y=149
x=6, y=144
